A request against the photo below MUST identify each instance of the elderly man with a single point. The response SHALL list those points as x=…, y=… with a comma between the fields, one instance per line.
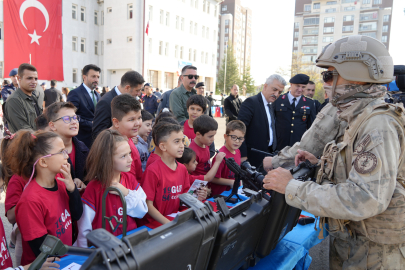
x=232, y=104
x=294, y=113
x=309, y=91
x=180, y=95
x=258, y=116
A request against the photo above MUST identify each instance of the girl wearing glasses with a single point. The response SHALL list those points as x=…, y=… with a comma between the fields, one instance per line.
x=50, y=201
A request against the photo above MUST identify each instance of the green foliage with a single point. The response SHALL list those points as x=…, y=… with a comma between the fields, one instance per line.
x=248, y=80
x=232, y=72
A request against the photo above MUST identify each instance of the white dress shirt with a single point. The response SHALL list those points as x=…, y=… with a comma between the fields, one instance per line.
x=89, y=91
x=290, y=98
x=117, y=91
x=266, y=107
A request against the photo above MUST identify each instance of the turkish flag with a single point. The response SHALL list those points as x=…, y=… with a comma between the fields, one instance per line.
x=33, y=34
x=147, y=29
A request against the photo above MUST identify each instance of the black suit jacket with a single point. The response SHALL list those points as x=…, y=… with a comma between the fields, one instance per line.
x=102, y=117
x=85, y=109
x=253, y=114
x=82, y=151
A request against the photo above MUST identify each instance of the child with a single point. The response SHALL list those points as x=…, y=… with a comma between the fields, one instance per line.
x=224, y=178
x=48, y=204
x=196, y=106
x=165, y=179
x=205, y=129
x=108, y=164
x=64, y=122
x=127, y=119
x=42, y=123
x=143, y=134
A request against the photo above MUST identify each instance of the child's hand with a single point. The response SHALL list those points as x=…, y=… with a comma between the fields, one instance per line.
x=123, y=189
x=79, y=184
x=67, y=178
x=49, y=264
x=202, y=194
x=135, y=140
x=219, y=157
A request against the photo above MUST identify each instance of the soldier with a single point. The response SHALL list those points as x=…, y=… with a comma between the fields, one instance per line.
x=10, y=88
x=309, y=92
x=360, y=185
x=294, y=113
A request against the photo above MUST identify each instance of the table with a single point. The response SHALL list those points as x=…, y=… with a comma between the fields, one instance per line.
x=290, y=253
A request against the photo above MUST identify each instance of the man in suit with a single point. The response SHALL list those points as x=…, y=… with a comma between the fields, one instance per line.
x=294, y=113
x=232, y=104
x=85, y=98
x=131, y=83
x=309, y=92
x=259, y=119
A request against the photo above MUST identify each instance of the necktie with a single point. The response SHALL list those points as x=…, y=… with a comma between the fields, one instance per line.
x=293, y=103
x=94, y=98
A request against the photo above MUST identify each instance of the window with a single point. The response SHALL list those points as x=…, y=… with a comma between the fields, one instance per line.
x=102, y=47
x=95, y=17
x=130, y=14
x=160, y=47
x=331, y=3
x=208, y=7
x=202, y=57
x=309, y=49
x=207, y=34
x=368, y=16
x=109, y=10
x=129, y=39
x=307, y=8
x=150, y=45
x=309, y=21
x=74, y=12
x=182, y=24
x=203, y=31
x=224, y=8
x=206, y=58
x=74, y=75
x=96, y=47
x=109, y=41
x=216, y=10
x=195, y=29
x=181, y=52
x=74, y=44
x=369, y=26
x=195, y=55
x=327, y=39
x=348, y=1
x=377, y=2
x=83, y=14
x=161, y=16
x=328, y=29
x=204, y=5
x=150, y=13
x=366, y=2
x=348, y=18
x=191, y=27
x=308, y=58
x=349, y=8
x=386, y=18
x=226, y=22
x=83, y=45
x=370, y=34
x=296, y=25
x=296, y=34
x=310, y=31
x=309, y=41
x=330, y=10
x=317, y=5
x=167, y=18
x=176, y=51
x=329, y=20
x=167, y=49
x=347, y=28
x=102, y=17
x=190, y=54
x=177, y=22
x=385, y=28
x=295, y=43
x=384, y=39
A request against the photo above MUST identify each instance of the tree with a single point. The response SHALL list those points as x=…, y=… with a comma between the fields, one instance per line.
x=248, y=80
x=232, y=72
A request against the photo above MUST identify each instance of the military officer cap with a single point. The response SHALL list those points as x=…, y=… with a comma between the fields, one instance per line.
x=300, y=79
x=199, y=84
x=13, y=72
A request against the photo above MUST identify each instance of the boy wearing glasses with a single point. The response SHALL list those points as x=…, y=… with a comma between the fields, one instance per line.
x=224, y=178
x=63, y=121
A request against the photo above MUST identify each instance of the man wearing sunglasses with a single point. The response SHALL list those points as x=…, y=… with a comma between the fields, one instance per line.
x=180, y=95
x=359, y=190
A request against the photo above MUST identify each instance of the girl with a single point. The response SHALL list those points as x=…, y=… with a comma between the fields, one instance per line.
x=109, y=164
x=49, y=203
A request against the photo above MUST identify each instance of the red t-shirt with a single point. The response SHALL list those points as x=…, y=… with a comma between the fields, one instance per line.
x=192, y=178
x=72, y=155
x=41, y=212
x=203, y=159
x=5, y=259
x=136, y=166
x=224, y=172
x=15, y=188
x=163, y=186
x=93, y=197
x=152, y=158
x=188, y=131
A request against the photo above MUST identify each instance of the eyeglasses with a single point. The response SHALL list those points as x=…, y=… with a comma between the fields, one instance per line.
x=327, y=75
x=236, y=138
x=191, y=76
x=68, y=119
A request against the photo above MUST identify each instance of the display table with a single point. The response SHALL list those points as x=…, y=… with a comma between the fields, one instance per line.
x=291, y=252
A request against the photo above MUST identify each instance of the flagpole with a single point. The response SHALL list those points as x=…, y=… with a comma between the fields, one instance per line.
x=226, y=56
x=30, y=59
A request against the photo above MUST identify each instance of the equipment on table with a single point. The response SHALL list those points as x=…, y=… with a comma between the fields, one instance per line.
x=399, y=96
x=117, y=220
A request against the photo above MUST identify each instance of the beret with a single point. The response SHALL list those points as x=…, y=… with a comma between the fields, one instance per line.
x=13, y=72
x=199, y=84
x=300, y=79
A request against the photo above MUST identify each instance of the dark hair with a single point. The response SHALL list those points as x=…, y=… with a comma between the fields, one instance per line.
x=146, y=115
x=53, y=82
x=197, y=100
x=51, y=112
x=25, y=66
x=123, y=104
x=41, y=122
x=162, y=131
x=104, y=91
x=311, y=82
x=66, y=90
x=187, y=156
x=235, y=125
x=132, y=78
x=164, y=115
x=187, y=67
x=204, y=124
x=88, y=67
x=5, y=170
x=163, y=121
x=101, y=153
x=6, y=82
x=25, y=149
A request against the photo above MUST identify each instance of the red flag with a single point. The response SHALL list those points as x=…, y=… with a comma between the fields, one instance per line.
x=33, y=34
x=147, y=29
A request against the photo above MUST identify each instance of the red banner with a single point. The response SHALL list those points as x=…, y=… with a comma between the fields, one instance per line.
x=33, y=34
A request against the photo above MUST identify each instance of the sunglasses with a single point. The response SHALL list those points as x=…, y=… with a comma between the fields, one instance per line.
x=327, y=75
x=191, y=76
x=68, y=119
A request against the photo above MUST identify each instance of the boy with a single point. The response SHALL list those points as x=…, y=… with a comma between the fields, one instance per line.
x=205, y=129
x=234, y=137
x=165, y=179
x=196, y=106
x=127, y=119
x=64, y=122
x=142, y=137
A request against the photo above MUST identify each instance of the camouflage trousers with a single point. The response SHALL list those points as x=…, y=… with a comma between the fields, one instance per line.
x=360, y=253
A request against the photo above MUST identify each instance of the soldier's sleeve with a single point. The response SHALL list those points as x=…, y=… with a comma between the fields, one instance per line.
x=370, y=185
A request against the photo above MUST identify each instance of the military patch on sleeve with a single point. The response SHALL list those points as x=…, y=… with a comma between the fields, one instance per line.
x=362, y=145
x=365, y=163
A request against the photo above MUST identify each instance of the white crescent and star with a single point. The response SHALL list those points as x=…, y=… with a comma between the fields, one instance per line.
x=36, y=4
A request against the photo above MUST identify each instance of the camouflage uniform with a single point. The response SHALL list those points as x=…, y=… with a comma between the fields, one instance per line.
x=360, y=188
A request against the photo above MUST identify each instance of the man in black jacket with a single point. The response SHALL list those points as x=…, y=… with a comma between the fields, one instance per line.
x=131, y=83
x=232, y=104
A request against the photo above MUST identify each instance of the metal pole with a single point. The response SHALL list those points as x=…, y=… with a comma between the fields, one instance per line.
x=226, y=56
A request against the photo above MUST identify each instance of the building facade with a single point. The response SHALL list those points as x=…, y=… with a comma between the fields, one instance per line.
x=235, y=28
x=320, y=22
